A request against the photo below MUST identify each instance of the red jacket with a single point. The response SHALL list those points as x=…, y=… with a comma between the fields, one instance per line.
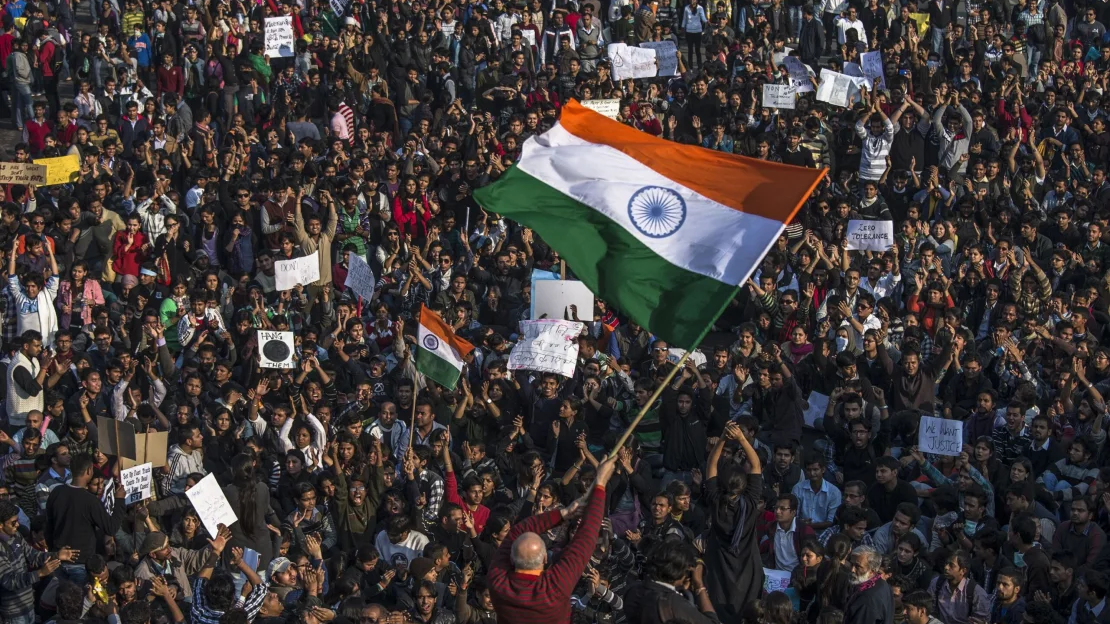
x=128, y=260
x=480, y=513
x=522, y=598
x=408, y=218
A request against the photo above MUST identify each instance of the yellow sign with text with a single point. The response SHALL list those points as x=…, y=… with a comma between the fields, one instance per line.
x=61, y=170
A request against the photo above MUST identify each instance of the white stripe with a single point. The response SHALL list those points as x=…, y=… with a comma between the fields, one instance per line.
x=443, y=350
x=714, y=240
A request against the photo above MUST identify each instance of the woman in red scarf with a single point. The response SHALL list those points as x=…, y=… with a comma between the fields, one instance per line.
x=411, y=213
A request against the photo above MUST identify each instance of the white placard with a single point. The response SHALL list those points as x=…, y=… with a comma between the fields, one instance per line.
x=834, y=88
x=137, y=483
x=339, y=7
x=107, y=497
x=632, y=62
x=940, y=437
x=528, y=36
x=855, y=71
x=554, y=298
x=547, y=346
x=611, y=108
x=799, y=74
x=279, y=37
x=359, y=277
x=211, y=505
x=872, y=65
x=775, y=580
x=275, y=349
x=674, y=354
x=778, y=96
x=667, y=55
x=303, y=271
x=864, y=235
x=818, y=403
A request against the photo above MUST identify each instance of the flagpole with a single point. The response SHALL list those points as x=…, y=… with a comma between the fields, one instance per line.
x=667, y=380
x=412, y=425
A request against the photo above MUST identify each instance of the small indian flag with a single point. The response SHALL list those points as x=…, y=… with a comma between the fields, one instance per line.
x=663, y=231
x=439, y=353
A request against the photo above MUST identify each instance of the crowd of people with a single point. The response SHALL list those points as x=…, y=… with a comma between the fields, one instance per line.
x=366, y=493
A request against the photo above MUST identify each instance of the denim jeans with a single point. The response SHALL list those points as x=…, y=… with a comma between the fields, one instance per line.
x=21, y=96
x=74, y=573
x=936, y=43
x=796, y=21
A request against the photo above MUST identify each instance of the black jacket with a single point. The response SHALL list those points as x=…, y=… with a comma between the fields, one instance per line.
x=651, y=603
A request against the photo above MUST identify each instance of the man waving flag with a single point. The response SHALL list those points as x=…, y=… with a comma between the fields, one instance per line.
x=667, y=234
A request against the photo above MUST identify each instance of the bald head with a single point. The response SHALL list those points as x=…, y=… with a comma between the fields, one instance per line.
x=375, y=612
x=529, y=553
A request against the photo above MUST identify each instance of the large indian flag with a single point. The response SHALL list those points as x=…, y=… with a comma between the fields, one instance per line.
x=665, y=232
x=439, y=352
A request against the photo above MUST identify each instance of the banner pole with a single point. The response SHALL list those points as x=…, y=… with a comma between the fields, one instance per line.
x=647, y=406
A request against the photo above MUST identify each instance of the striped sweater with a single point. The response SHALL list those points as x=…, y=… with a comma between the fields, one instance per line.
x=522, y=598
x=17, y=562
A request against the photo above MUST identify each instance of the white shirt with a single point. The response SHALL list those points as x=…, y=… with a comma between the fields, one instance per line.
x=843, y=25
x=785, y=557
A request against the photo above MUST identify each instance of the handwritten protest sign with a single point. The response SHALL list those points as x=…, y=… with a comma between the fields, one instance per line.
x=279, y=36
x=866, y=235
x=799, y=74
x=818, y=403
x=778, y=96
x=547, y=346
x=304, y=271
x=554, y=298
x=775, y=580
x=940, y=437
x=667, y=55
x=211, y=504
x=835, y=88
x=855, y=71
x=275, y=349
x=610, y=108
x=61, y=170
x=632, y=62
x=22, y=173
x=872, y=65
x=360, y=278
x=137, y=483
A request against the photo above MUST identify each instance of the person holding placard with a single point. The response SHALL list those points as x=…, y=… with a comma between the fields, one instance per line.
x=74, y=516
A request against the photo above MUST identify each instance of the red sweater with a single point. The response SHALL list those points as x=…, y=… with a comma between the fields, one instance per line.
x=480, y=513
x=521, y=598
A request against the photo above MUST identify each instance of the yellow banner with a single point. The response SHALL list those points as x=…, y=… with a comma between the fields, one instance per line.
x=61, y=170
x=922, y=20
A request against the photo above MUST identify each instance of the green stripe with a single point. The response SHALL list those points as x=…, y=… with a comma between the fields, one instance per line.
x=674, y=304
x=436, y=368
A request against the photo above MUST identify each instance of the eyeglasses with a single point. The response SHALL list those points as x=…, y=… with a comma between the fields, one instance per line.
x=788, y=302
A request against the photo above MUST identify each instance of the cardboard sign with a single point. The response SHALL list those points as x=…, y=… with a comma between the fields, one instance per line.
x=778, y=96
x=304, y=271
x=666, y=54
x=610, y=108
x=275, y=349
x=211, y=504
x=22, y=173
x=61, y=170
x=939, y=436
x=547, y=346
x=872, y=65
x=632, y=62
x=866, y=235
x=554, y=298
x=137, y=482
x=279, y=36
x=360, y=278
x=118, y=438
x=799, y=74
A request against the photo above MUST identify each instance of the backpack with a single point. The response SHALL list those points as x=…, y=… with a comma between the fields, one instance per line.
x=214, y=73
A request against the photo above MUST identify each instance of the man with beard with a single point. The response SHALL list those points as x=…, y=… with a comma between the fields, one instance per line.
x=959, y=598
x=390, y=429
x=871, y=600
